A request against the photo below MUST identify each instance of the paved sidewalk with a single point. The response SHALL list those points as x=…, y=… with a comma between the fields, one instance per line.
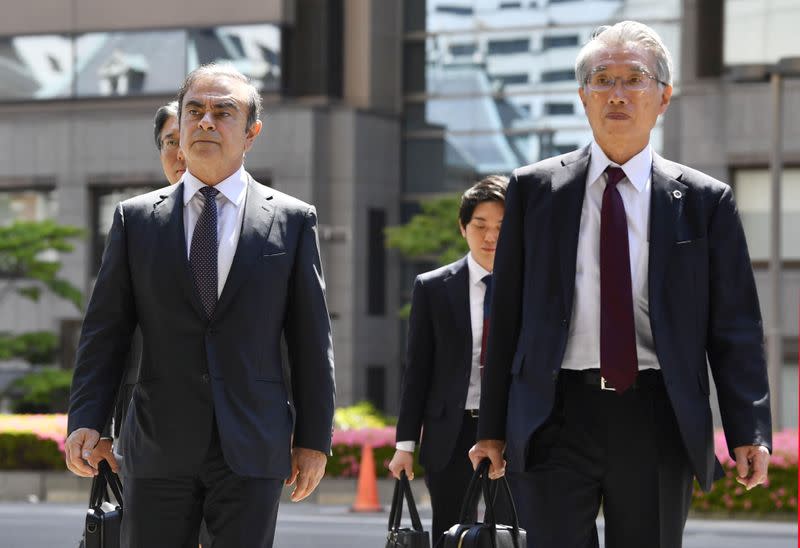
x=309, y=525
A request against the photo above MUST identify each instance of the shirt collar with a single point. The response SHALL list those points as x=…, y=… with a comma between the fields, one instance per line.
x=637, y=169
x=233, y=188
x=476, y=271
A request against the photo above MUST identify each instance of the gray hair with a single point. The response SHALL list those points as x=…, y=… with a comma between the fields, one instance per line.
x=625, y=32
x=162, y=115
x=228, y=70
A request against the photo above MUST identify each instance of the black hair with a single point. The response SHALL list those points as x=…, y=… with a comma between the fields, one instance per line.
x=162, y=115
x=488, y=189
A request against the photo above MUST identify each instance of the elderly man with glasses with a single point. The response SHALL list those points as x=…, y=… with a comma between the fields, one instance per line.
x=620, y=278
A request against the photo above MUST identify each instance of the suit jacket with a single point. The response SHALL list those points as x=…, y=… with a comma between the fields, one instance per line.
x=703, y=307
x=438, y=363
x=193, y=370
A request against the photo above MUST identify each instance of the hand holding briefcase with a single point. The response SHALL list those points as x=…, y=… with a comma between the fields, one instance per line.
x=415, y=537
x=488, y=534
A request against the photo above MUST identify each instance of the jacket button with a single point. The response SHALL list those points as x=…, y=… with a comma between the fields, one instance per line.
x=204, y=377
x=563, y=321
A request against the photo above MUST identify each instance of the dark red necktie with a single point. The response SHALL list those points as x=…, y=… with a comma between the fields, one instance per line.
x=487, y=307
x=618, y=361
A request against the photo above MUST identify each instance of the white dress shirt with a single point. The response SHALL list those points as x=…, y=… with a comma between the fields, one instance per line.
x=477, y=291
x=230, y=212
x=583, y=342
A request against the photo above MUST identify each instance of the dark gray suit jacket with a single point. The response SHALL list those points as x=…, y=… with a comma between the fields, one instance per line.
x=703, y=307
x=438, y=363
x=193, y=370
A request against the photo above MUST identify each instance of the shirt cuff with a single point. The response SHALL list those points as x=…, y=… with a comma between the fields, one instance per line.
x=406, y=446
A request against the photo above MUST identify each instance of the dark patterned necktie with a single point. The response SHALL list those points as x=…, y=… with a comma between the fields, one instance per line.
x=487, y=307
x=203, y=253
x=618, y=361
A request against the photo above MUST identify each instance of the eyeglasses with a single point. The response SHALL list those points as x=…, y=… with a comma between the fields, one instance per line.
x=168, y=145
x=601, y=81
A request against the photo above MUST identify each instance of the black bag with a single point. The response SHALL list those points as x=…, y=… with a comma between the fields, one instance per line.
x=488, y=534
x=415, y=537
x=103, y=519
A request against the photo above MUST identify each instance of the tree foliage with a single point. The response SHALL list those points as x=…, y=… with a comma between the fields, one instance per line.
x=432, y=234
x=35, y=347
x=26, y=262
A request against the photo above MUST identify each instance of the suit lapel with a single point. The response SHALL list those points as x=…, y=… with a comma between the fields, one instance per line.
x=667, y=198
x=457, y=285
x=168, y=216
x=259, y=212
x=568, y=186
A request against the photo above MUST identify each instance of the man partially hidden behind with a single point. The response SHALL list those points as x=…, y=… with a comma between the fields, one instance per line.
x=167, y=138
x=447, y=333
x=619, y=278
x=213, y=270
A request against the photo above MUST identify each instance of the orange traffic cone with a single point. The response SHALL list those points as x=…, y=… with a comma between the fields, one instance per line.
x=367, y=492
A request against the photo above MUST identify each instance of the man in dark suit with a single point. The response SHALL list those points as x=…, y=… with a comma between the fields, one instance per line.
x=446, y=347
x=213, y=270
x=619, y=275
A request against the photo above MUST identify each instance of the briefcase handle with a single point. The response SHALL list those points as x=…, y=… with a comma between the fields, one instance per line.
x=402, y=489
x=105, y=479
x=481, y=484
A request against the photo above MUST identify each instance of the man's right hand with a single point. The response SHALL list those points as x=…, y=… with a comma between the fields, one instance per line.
x=492, y=449
x=402, y=460
x=78, y=449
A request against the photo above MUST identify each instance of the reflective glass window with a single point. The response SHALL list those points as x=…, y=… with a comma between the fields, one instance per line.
x=113, y=64
x=255, y=50
x=35, y=67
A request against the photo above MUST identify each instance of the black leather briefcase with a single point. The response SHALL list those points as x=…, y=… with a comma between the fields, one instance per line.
x=103, y=518
x=415, y=537
x=489, y=533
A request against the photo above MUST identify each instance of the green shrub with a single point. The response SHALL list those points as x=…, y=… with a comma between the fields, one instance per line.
x=42, y=391
x=346, y=459
x=727, y=496
x=361, y=415
x=20, y=451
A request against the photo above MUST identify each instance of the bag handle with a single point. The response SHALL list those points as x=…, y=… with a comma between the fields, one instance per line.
x=112, y=480
x=470, y=503
x=489, y=488
x=402, y=489
x=481, y=484
x=105, y=479
x=490, y=497
x=98, y=493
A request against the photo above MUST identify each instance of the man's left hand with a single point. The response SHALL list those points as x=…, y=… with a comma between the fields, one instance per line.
x=308, y=467
x=103, y=451
x=752, y=462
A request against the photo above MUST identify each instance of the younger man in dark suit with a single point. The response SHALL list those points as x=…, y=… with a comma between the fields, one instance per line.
x=447, y=331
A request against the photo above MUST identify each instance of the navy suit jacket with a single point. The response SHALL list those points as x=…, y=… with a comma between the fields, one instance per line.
x=438, y=363
x=193, y=370
x=703, y=307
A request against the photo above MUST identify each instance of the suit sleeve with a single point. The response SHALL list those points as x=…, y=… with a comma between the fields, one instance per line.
x=735, y=337
x=105, y=336
x=505, y=317
x=419, y=365
x=309, y=344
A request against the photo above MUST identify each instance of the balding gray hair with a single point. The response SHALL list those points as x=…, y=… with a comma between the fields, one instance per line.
x=621, y=34
x=212, y=70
